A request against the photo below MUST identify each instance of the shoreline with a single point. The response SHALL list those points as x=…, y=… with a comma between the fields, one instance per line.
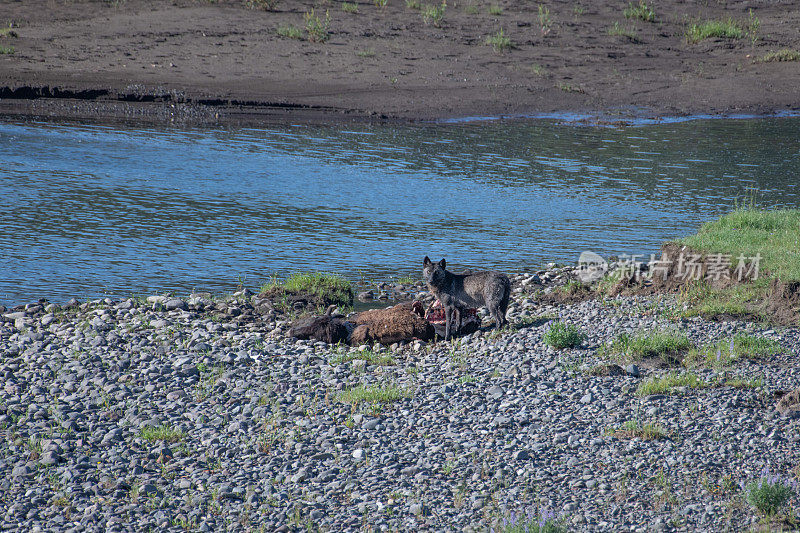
x=155, y=110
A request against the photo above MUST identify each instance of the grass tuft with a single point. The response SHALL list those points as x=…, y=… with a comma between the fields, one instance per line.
x=495, y=10
x=560, y=336
x=726, y=29
x=433, y=14
x=348, y=7
x=785, y=54
x=618, y=29
x=7, y=50
x=635, y=429
x=317, y=28
x=640, y=11
x=291, y=32
x=729, y=351
x=499, y=41
x=669, y=383
x=372, y=358
x=643, y=345
x=161, y=433
x=374, y=394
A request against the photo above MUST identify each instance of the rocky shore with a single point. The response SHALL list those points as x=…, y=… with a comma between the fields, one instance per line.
x=202, y=415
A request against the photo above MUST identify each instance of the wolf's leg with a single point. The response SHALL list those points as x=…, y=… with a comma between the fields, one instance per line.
x=457, y=316
x=448, y=318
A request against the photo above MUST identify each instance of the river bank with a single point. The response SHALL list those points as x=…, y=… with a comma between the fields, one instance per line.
x=202, y=415
x=209, y=62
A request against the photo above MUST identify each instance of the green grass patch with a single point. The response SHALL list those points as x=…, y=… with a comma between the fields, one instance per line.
x=495, y=10
x=729, y=351
x=670, y=383
x=8, y=32
x=739, y=383
x=560, y=336
x=161, y=433
x=640, y=11
x=725, y=29
x=773, y=234
x=327, y=287
x=371, y=357
x=635, y=429
x=619, y=30
x=349, y=7
x=373, y=394
x=434, y=14
x=266, y=5
x=7, y=50
x=668, y=345
x=499, y=41
x=366, y=53
x=785, y=54
x=414, y=4
x=471, y=10
x=290, y=32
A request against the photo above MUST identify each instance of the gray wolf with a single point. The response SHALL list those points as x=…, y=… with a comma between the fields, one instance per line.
x=458, y=291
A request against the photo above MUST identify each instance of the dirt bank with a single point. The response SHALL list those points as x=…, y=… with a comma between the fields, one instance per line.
x=218, y=60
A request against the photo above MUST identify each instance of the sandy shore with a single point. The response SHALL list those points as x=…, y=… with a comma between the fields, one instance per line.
x=211, y=61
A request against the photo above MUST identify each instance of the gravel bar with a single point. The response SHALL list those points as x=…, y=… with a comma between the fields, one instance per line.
x=200, y=414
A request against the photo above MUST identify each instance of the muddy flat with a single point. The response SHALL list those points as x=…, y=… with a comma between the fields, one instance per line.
x=405, y=61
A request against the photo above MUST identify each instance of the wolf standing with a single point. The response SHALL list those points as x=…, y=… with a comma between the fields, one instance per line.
x=455, y=291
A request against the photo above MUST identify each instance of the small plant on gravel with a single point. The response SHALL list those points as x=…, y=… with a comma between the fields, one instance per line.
x=545, y=521
x=729, y=351
x=664, y=344
x=634, y=428
x=785, y=54
x=317, y=28
x=414, y=4
x=618, y=29
x=267, y=5
x=499, y=41
x=406, y=280
x=568, y=88
x=769, y=493
x=291, y=32
x=726, y=29
x=366, y=53
x=161, y=433
x=8, y=31
x=545, y=22
x=371, y=357
x=560, y=336
x=348, y=7
x=380, y=3
x=373, y=394
x=471, y=9
x=433, y=14
x=495, y=10
x=667, y=383
x=640, y=11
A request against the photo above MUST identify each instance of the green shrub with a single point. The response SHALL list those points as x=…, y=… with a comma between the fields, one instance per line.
x=317, y=28
x=292, y=32
x=432, y=14
x=769, y=494
x=499, y=41
x=640, y=11
x=560, y=336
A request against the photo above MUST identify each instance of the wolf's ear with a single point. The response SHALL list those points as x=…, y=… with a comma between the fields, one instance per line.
x=443, y=263
x=426, y=261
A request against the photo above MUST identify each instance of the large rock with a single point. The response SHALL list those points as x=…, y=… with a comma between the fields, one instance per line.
x=321, y=328
x=403, y=322
x=789, y=404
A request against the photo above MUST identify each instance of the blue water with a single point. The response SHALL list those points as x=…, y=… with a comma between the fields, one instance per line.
x=93, y=210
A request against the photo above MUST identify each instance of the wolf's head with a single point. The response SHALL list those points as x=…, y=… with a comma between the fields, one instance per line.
x=433, y=273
